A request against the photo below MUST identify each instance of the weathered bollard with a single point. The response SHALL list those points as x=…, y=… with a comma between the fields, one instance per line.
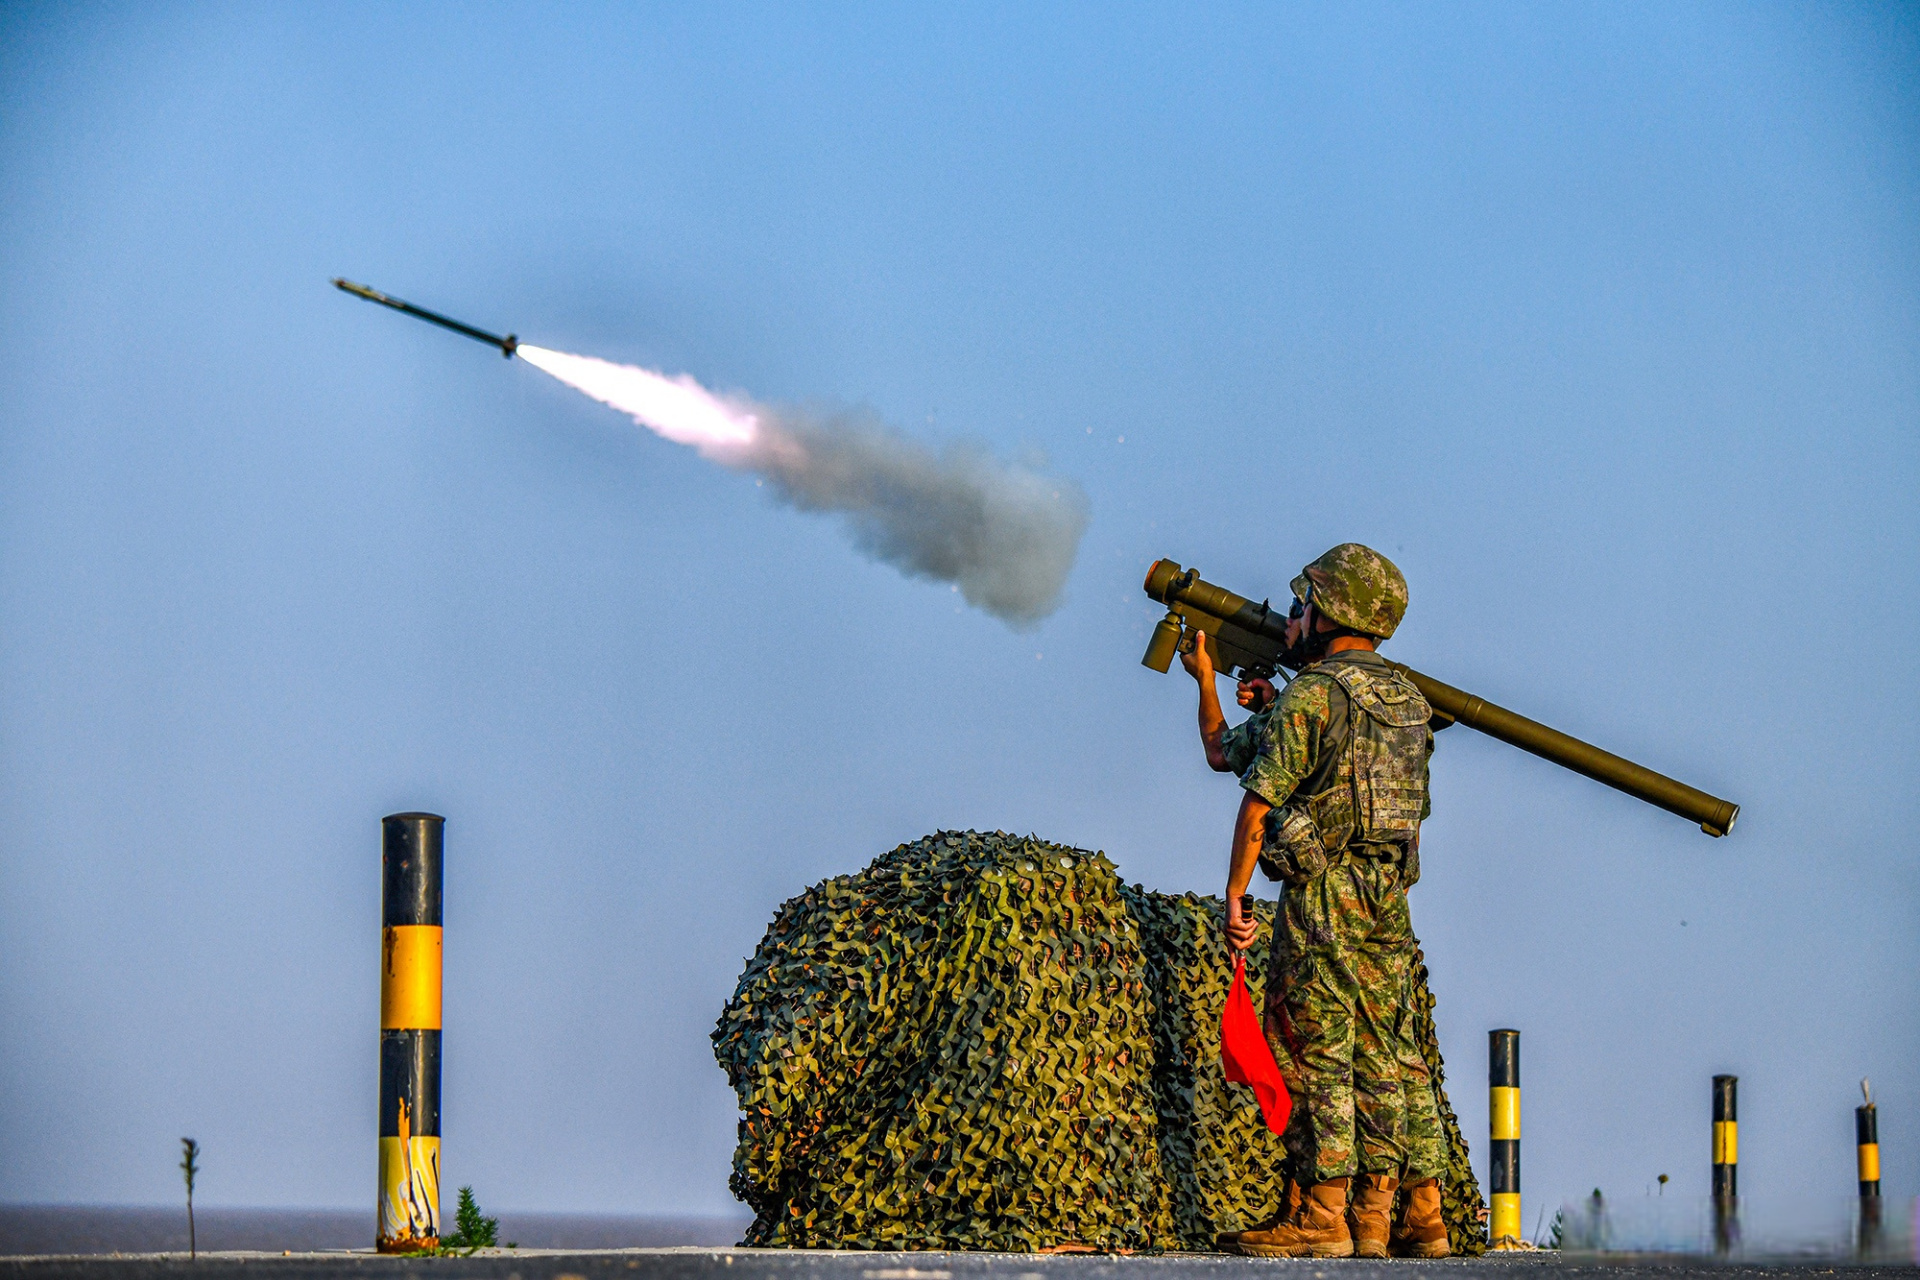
x=411, y=856
x=1503, y=1127
x=1866, y=1136
x=1726, y=1162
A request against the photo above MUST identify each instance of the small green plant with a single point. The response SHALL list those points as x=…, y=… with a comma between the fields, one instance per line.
x=190, y=1165
x=471, y=1231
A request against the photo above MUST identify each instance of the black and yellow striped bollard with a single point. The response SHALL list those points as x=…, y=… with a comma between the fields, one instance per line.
x=411, y=856
x=1726, y=1162
x=1503, y=1127
x=1866, y=1135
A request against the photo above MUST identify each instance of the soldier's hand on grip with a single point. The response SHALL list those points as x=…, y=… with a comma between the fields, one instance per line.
x=1256, y=694
x=1197, y=660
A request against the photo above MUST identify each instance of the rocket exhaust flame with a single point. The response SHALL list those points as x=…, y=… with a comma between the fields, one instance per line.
x=679, y=409
x=1003, y=533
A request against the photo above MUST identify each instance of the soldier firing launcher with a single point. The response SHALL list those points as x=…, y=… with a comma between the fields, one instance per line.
x=1246, y=640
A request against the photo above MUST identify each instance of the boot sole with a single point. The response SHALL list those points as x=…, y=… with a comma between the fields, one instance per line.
x=1439, y=1250
x=1364, y=1249
x=1335, y=1249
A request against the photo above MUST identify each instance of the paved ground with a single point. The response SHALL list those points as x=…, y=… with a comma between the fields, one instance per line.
x=64, y=1229
x=784, y=1264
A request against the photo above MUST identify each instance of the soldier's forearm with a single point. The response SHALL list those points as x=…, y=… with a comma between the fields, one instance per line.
x=1213, y=723
x=1247, y=829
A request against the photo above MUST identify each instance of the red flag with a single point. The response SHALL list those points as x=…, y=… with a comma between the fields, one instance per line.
x=1245, y=1055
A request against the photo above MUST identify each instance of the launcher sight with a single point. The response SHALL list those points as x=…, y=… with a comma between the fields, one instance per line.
x=1246, y=640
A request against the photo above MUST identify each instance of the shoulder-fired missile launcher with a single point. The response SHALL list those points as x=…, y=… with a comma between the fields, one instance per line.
x=1247, y=640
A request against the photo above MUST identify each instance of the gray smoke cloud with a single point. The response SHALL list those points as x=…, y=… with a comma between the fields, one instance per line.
x=1002, y=532
x=1006, y=534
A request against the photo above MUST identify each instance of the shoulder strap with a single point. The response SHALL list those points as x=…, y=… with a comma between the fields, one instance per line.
x=1333, y=746
x=1385, y=695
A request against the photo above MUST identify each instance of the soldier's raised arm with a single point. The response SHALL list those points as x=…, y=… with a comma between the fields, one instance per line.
x=1213, y=722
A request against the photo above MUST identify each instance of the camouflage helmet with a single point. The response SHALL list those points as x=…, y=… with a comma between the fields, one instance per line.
x=1356, y=587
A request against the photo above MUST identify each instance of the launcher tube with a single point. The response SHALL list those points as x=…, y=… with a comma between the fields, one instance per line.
x=1715, y=816
x=1250, y=637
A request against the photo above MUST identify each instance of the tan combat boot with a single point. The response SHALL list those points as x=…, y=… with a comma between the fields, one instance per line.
x=1318, y=1229
x=1229, y=1241
x=1421, y=1233
x=1370, y=1217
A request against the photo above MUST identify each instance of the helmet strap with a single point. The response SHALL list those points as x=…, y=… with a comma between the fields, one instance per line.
x=1312, y=644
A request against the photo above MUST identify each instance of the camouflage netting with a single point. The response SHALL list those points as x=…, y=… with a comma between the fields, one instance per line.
x=989, y=1042
x=1221, y=1166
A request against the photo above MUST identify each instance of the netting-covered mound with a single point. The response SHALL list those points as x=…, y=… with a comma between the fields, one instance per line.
x=989, y=1042
x=949, y=1050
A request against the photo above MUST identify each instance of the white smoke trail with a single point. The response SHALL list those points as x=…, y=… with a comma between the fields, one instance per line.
x=1005, y=534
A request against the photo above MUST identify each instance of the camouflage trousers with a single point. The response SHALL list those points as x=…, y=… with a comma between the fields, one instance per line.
x=1339, y=1016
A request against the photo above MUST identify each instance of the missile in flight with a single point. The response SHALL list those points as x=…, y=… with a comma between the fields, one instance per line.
x=508, y=345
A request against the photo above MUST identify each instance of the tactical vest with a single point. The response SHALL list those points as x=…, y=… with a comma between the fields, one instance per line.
x=1373, y=802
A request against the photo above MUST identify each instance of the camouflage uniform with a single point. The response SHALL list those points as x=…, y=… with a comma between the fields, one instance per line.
x=1240, y=743
x=1341, y=757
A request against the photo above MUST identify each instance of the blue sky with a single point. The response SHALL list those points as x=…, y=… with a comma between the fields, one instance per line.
x=1603, y=320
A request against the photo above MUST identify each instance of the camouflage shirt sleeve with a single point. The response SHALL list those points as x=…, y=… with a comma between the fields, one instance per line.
x=1289, y=743
x=1241, y=742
